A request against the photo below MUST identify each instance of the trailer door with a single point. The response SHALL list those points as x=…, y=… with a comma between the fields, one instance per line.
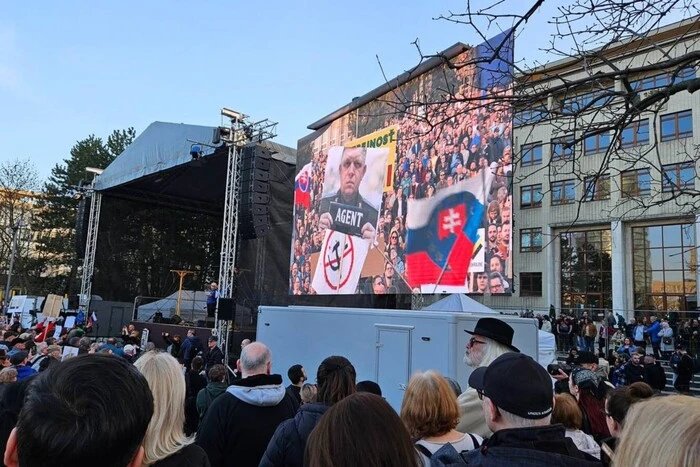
x=393, y=360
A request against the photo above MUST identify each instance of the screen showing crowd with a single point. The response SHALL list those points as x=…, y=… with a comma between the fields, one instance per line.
x=412, y=201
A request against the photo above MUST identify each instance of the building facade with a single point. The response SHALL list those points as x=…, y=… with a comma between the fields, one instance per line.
x=608, y=219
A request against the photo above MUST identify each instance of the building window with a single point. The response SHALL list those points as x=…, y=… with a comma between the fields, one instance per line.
x=678, y=177
x=597, y=187
x=563, y=192
x=531, y=196
x=663, y=79
x=636, y=183
x=590, y=100
x=563, y=148
x=530, y=116
x=635, y=134
x=677, y=125
x=664, y=265
x=530, y=284
x=586, y=270
x=530, y=240
x=593, y=144
x=531, y=154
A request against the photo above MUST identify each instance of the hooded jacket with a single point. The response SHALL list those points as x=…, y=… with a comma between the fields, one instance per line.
x=287, y=446
x=206, y=396
x=239, y=424
x=537, y=446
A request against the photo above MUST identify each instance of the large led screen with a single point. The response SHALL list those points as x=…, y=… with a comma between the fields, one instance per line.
x=411, y=192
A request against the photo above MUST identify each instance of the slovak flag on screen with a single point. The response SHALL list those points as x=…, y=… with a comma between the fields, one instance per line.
x=302, y=187
x=442, y=231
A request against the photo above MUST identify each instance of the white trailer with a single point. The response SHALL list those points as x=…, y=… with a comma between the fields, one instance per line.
x=385, y=346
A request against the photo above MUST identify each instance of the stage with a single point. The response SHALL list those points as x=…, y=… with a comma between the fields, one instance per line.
x=156, y=331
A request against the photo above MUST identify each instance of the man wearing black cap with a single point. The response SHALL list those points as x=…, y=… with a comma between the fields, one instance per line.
x=517, y=403
x=490, y=339
x=213, y=355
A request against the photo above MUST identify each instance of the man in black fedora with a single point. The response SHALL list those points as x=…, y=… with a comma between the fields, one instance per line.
x=490, y=339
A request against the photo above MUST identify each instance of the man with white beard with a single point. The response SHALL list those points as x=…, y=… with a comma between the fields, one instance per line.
x=490, y=339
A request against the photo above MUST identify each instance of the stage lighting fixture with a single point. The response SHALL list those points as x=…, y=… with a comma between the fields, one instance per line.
x=221, y=133
x=233, y=115
x=196, y=151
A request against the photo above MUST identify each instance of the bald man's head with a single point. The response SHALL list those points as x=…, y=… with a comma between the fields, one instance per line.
x=256, y=359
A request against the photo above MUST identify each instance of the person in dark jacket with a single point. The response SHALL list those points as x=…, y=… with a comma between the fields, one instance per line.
x=634, y=370
x=654, y=374
x=194, y=382
x=297, y=377
x=239, y=424
x=336, y=380
x=174, y=343
x=190, y=347
x=519, y=419
x=10, y=405
x=216, y=387
x=213, y=355
x=684, y=370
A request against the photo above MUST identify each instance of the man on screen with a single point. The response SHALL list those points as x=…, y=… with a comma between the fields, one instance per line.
x=352, y=169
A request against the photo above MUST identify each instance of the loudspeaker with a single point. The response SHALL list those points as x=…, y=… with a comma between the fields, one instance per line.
x=158, y=317
x=227, y=309
x=82, y=220
x=254, y=216
x=176, y=319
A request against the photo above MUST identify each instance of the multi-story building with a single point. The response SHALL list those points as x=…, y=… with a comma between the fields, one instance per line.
x=17, y=211
x=609, y=219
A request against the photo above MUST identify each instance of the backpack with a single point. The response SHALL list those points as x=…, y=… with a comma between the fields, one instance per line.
x=446, y=449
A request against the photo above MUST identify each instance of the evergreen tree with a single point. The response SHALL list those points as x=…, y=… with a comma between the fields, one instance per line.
x=57, y=218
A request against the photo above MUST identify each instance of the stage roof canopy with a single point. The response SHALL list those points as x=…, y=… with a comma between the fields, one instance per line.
x=158, y=166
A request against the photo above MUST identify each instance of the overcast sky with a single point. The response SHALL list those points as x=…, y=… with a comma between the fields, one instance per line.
x=74, y=68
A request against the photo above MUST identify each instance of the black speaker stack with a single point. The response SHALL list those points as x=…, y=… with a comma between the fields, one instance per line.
x=227, y=309
x=254, y=215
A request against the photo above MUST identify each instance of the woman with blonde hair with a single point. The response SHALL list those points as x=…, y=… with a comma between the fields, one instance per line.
x=430, y=413
x=661, y=431
x=165, y=443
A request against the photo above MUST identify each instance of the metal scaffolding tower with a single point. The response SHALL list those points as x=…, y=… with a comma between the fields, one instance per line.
x=239, y=133
x=90, y=246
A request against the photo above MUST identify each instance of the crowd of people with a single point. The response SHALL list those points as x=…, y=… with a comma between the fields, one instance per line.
x=472, y=139
x=513, y=412
x=631, y=351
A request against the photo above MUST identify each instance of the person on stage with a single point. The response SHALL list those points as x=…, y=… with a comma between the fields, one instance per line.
x=212, y=297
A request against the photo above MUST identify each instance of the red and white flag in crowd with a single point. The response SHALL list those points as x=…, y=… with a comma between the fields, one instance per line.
x=302, y=187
